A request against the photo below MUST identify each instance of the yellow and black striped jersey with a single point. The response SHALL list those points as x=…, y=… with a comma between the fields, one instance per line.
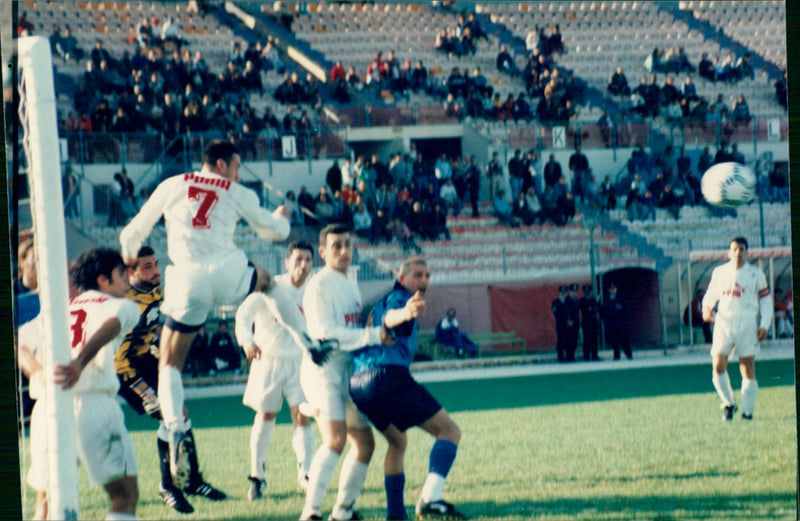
x=142, y=340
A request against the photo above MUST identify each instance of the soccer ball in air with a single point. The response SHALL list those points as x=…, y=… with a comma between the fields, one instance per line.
x=728, y=185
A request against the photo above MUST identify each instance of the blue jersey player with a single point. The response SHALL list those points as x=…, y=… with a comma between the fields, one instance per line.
x=383, y=389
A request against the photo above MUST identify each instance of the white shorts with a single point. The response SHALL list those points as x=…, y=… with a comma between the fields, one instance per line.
x=191, y=290
x=740, y=335
x=37, y=473
x=328, y=392
x=270, y=380
x=105, y=448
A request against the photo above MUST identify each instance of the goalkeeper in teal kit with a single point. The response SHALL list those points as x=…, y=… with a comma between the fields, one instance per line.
x=384, y=390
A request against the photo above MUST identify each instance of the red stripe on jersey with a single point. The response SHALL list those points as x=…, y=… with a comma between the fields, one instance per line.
x=763, y=293
x=225, y=184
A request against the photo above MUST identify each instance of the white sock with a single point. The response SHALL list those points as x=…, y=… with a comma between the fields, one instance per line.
x=351, y=481
x=319, y=477
x=286, y=311
x=260, y=438
x=303, y=443
x=723, y=386
x=749, y=391
x=433, y=488
x=163, y=432
x=120, y=516
x=170, y=394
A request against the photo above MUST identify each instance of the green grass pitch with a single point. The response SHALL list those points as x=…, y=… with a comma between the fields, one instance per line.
x=643, y=444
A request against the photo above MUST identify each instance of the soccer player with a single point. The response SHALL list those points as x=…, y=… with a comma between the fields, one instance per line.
x=201, y=210
x=136, y=364
x=742, y=292
x=99, y=318
x=332, y=305
x=275, y=370
x=384, y=390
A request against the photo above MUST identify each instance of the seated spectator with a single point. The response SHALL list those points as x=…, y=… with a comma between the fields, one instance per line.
x=706, y=68
x=144, y=33
x=740, y=111
x=502, y=209
x=521, y=109
x=505, y=62
x=688, y=89
x=420, y=222
x=251, y=78
x=400, y=231
x=419, y=77
x=447, y=333
x=669, y=201
x=449, y=195
x=323, y=206
x=606, y=193
x=669, y=92
x=227, y=356
x=68, y=48
x=618, y=83
x=527, y=208
x=337, y=72
x=362, y=223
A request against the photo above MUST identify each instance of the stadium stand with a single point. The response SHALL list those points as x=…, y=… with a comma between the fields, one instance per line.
x=597, y=38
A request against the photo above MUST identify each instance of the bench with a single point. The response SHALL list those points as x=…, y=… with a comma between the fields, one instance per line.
x=505, y=343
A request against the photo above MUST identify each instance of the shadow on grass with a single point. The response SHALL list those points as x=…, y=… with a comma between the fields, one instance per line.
x=656, y=508
x=513, y=392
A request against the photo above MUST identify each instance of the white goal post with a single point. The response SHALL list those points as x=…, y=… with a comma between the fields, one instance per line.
x=40, y=140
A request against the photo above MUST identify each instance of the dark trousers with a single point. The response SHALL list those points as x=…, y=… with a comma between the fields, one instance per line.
x=619, y=341
x=590, y=342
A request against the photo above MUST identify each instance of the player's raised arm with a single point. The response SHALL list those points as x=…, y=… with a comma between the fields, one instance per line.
x=414, y=308
x=268, y=225
x=134, y=234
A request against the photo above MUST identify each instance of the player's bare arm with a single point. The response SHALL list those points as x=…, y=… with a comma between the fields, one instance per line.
x=414, y=308
x=68, y=375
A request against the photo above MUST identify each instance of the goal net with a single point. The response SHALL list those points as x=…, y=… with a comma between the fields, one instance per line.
x=37, y=115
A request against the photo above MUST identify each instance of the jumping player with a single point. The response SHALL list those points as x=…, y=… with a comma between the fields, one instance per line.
x=382, y=387
x=99, y=318
x=332, y=305
x=201, y=210
x=136, y=364
x=275, y=371
x=742, y=292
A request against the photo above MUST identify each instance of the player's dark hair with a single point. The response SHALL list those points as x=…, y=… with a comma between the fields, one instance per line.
x=299, y=244
x=219, y=149
x=90, y=264
x=741, y=240
x=332, y=229
x=144, y=251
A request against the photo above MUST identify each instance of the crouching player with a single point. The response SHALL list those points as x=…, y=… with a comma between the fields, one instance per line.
x=383, y=389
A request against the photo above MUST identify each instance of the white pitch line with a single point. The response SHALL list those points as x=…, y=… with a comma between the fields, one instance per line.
x=645, y=359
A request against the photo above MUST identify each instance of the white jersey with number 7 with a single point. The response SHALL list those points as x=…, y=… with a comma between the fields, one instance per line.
x=201, y=210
